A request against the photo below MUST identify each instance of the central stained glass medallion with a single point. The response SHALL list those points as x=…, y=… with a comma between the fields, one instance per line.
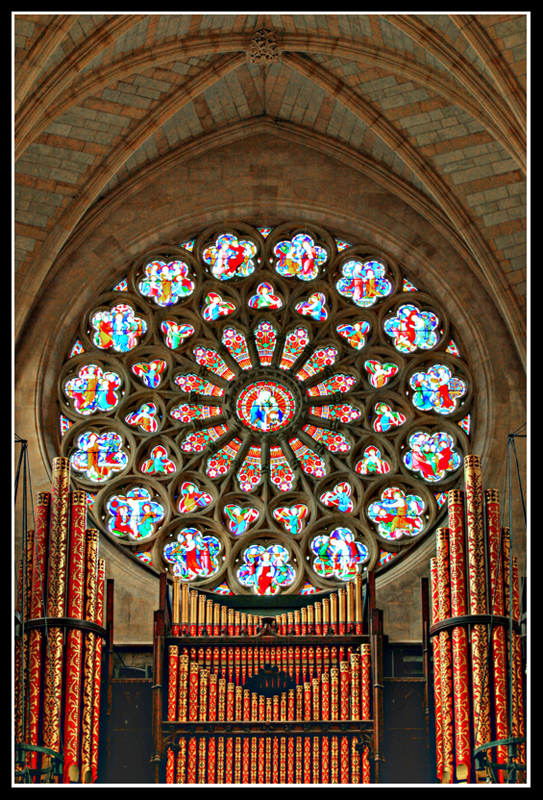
x=265, y=406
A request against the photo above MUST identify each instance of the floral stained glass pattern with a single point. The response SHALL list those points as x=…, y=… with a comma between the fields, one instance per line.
x=221, y=463
x=197, y=442
x=258, y=385
x=338, y=383
x=93, y=391
x=194, y=383
x=321, y=358
x=281, y=473
x=344, y=413
x=333, y=441
x=210, y=359
x=265, y=338
x=187, y=413
x=364, y=282
x=236, y=345
x=250, y=474
x=310, y=462
x=295, y=343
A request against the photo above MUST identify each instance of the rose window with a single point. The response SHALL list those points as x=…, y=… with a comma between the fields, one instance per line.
x=266, y=410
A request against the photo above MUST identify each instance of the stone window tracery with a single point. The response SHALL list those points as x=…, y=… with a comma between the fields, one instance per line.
x=266, y=410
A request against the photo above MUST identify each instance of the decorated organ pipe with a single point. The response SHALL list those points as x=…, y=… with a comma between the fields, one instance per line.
x=475, y=616
x=62, y=681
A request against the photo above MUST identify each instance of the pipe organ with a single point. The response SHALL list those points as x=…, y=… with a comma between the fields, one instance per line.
x=248, y=698
x=475, y=631
x=293, y=695
x=58, y=654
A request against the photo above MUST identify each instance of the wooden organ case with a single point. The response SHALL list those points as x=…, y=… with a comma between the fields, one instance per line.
x=267, y=690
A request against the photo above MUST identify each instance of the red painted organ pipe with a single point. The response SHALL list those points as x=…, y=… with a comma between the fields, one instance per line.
x=470, y=583
x=66, y=581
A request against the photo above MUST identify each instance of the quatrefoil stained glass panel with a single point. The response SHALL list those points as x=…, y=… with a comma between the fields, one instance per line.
x=266, y=410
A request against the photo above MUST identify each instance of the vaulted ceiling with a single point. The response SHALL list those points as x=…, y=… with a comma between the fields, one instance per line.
x=437, y=103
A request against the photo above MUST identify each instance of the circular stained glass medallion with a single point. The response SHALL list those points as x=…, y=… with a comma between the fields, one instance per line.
x=265, y=406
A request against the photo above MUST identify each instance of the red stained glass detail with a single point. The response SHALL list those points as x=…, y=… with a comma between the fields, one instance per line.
x=221, y=462
x=333, y=441
x=295, y=342
x=338, y=383
x=198, y=441
x=213, y=362
x=344, y=413
x=193, y=383
x=321, y=358
x=281, y=474
x=237, y=347
x=310, y=462
x=187, y=413
x=265, y=338
x=250, y=474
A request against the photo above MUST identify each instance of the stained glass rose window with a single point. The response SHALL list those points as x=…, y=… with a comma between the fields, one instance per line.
x=265, y=410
